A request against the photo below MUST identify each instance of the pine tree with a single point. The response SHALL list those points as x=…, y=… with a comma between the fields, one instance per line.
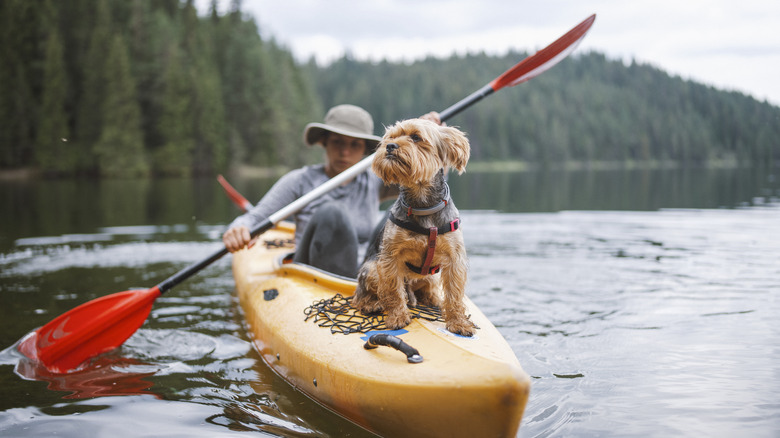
x=146, y=43
x=207, y=110
x=53, y=152
x=176, y=126
x=120, y=148
x=89, y=120
x=211, y=148
x=19, y=27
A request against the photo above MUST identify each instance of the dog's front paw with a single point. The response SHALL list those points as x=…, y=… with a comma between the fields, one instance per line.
x=462, y=327
x=398, y=319
x=366, y=304
x=370, y=307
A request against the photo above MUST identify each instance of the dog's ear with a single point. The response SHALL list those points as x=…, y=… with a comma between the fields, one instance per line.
x=454, y=148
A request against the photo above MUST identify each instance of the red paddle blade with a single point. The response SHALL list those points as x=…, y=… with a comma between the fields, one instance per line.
x=92, y=328
x=544, y=59
x=233, y=194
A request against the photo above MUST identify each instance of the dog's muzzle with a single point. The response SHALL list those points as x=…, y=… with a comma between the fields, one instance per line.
x=390, y=148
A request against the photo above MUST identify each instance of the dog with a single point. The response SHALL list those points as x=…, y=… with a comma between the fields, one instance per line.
x=420, y=251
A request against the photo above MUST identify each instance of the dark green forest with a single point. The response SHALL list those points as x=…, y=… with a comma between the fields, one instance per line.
x=587, y=108
x=149, y=87
x=131, y=88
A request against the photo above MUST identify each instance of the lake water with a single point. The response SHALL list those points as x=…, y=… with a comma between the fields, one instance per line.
x=642, y=303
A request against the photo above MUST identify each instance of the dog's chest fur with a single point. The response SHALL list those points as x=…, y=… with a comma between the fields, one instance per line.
x=405, y=246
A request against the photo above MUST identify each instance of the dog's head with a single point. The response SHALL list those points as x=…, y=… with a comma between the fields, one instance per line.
x=412, y=152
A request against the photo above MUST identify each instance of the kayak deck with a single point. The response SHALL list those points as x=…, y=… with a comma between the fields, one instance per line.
x=463, y=387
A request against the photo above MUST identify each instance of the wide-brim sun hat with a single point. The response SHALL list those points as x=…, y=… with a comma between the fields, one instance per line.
x=349, y=120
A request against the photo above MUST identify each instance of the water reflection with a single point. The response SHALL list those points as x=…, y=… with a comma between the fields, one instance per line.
x=106, y=376
x=631, y=321
x=637, y=190
x=56, y=208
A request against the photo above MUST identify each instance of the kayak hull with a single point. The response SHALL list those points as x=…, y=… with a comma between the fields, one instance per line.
x=463, y=387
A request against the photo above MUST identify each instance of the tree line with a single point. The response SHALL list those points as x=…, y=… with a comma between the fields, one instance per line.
x=587, y=108
x=133, y=88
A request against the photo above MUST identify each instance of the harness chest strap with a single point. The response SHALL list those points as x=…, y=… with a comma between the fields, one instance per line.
x=432, y=233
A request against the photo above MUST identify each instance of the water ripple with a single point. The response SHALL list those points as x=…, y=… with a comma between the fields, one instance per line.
x=631, y=324
x=130, y=255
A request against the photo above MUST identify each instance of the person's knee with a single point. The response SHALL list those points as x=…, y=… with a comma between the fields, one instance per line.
x=331, y=214
x=330, y=241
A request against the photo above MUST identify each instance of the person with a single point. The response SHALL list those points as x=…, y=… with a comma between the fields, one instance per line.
x=333, y=231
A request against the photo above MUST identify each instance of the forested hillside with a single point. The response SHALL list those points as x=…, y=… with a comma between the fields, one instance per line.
x=133, y=88
x=127, y=88
x=587, y=108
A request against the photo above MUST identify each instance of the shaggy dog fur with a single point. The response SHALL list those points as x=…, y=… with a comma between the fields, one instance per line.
x=416, y=155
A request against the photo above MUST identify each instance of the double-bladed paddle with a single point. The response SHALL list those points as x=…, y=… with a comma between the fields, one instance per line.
x=100, y=325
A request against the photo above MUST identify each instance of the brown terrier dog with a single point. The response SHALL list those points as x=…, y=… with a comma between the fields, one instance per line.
x=421, y=248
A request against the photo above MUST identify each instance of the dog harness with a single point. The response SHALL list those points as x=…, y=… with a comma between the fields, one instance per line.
x=432, y=232
x=429, y=210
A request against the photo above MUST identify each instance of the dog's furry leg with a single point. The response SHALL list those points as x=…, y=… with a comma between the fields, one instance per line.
x=366, y=299
x=454, y=282
x=411, y=298
x=392, y=294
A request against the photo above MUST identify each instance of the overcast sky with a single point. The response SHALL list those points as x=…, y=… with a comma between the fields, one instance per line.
x=730, y=44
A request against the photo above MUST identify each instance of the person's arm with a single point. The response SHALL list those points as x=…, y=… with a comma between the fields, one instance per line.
x=283, y=192
x=236, y=238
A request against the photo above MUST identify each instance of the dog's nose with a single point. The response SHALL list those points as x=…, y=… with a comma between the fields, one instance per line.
x=391, y=147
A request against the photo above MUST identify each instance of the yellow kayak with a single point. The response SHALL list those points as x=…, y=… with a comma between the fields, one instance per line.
x=435, y=384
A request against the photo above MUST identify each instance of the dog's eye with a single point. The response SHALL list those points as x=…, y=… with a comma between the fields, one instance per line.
x=415, y=138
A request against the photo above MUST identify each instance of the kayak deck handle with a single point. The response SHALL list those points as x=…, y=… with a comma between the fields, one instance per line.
x=412, y=355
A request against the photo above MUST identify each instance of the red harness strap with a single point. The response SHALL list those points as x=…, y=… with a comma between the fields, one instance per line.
x=426, y=266
x=433, y=233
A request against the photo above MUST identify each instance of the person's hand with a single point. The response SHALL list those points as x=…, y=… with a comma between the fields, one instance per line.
x=236, y=238
x=433, y=116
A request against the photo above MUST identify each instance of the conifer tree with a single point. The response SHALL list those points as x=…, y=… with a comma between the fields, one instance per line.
x=176, y=126
x=89, y=120
x=52, y=151
x=120, y=149
x=147, y=40
x=207, y=109
x=19, y=26
x=210, y=153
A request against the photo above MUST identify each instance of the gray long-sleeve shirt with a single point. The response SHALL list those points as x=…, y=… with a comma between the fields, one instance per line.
x=361, y=198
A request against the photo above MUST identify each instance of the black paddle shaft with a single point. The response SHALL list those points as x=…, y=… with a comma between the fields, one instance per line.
x=466, y=102
x=194, y=268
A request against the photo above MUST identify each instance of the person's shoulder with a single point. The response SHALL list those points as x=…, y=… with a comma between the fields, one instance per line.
x=314, y=172
x=305, y=172
x=306, y=176
x=318, y=168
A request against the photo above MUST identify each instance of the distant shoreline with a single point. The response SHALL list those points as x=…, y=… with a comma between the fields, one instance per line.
x=19, y=174
x=525, y=166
